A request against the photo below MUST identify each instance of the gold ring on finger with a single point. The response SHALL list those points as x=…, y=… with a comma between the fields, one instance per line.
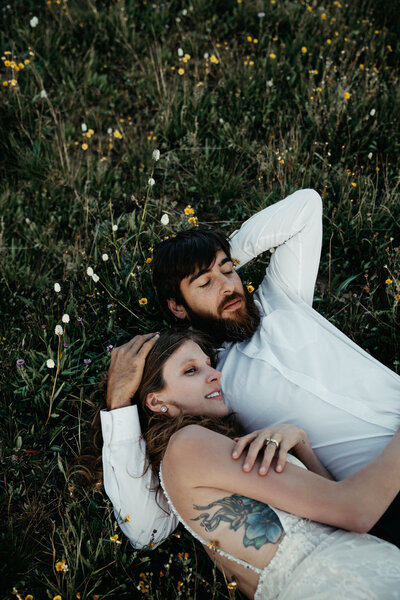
x=266, y=442
x=272, y=441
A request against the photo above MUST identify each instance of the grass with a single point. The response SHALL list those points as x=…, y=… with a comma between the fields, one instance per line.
x=256, y=107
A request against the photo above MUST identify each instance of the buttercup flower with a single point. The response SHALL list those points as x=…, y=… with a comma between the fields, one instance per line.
x=89, y=271
x=58, y=330
x=34, y=22
x=57, y=287
x=165, y=219
x=20, y=362
x=65, y=318
x=156, y=155
x=143, y=301
x=50, y=363
x=104, y=256
x=84, y=147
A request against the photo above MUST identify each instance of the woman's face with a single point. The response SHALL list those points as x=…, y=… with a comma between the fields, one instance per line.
x=192, y=383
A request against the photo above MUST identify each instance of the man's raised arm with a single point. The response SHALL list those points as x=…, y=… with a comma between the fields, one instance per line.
x=293, y=227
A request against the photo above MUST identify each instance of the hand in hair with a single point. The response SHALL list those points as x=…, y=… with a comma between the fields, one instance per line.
x=126, y=369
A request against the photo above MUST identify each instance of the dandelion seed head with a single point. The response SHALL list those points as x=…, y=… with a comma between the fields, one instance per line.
x=57, y=287
x=83, y=127
x=372, y=112
x=34, y=22
x=95, y=277
x=104, y=257
x=151, y=182
x=89, y=271
x=58, y=330
x=115, y=227
x=50, y=363
x=165, y=219
x=65, y=318
x=180, y=52
x=156, y=155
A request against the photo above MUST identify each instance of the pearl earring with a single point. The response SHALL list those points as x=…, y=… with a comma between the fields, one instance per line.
x=164, y=409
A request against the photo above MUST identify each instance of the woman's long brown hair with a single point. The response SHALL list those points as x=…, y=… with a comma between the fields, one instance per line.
x=157, y=428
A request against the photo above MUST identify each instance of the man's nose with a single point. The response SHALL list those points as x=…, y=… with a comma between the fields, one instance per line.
x=227, y=286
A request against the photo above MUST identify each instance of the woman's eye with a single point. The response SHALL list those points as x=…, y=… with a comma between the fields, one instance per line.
x=190, y=371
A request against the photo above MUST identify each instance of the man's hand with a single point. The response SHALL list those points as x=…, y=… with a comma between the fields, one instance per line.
x=280, y=438
x=126, y=369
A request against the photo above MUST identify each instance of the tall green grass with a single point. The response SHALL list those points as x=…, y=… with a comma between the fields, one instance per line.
x=256, y=107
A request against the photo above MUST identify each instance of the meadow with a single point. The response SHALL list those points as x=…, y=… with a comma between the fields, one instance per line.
x=245, y=102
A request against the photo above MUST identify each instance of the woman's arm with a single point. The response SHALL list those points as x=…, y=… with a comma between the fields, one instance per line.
x=199, y=457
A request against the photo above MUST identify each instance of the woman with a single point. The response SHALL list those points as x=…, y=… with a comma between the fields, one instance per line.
x=246, y=522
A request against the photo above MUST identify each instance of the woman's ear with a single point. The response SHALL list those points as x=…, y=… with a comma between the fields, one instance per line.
x=177, y=309
x=153, y=403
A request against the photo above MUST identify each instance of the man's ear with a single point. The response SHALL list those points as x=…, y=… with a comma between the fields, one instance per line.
x=177, y=309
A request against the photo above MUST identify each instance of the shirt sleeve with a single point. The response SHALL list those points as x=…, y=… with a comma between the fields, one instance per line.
x=293, y=228
x=145, y=520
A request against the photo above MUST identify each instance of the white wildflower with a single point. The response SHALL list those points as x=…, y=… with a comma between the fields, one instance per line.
x=180, y=52
x=57, y=287
x=165, y=219
x=58, y=330
x=95, y=277
x=184, y=12
x=156, y=155
x=270, y=82
x=84, y=127
x=205, y=55
x=34, y=22
x=65, y=318
x=50, y=363
x=151, y=182
x=109, y=130
x=43, y=94
x=115, y=227
x=372, y=112
x=89, y=271
x=370, y=155
x=104, y=256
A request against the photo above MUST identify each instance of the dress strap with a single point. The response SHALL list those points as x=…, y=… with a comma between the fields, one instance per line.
x=212, y=545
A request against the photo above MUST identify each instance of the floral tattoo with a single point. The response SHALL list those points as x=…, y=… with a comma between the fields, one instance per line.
x=261, y=524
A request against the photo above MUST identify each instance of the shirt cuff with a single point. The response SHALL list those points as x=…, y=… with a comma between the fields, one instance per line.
x=120, y=425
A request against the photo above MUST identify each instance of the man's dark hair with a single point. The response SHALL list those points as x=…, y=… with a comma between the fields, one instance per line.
x=180, y=256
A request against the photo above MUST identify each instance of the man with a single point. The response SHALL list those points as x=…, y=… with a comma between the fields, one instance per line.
x=281, y=361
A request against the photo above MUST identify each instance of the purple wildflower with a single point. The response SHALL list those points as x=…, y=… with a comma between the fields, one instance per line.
x=79, y=319
x=65, y=345
x=261, y=15
x=43, y=326
x=109, y=347
x=20, y=362
x=87, y=361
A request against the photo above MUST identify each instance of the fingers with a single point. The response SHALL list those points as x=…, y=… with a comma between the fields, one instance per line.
x=269, y=454
x=280, y=465
x=140, y=345
x=241, y=444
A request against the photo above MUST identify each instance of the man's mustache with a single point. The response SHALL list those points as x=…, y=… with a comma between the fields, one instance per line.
x=229, y=299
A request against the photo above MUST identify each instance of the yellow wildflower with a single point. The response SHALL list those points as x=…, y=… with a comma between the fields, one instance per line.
x=353, y=183
x=29, y=597
x=346, y=95
x=117, y=134
x=232, y=585
x=5, y=83
x=181, y=71
x=304, y=49
x=214, y=59
x=397, y=296
x=127, y=519
x=84, y=147
x=189, y=210
x=250, y=288
x=235, y=262
x=388, y=281
x=148, y=260
x=78, y=595
x=7, y=63
x=323, y=16
x=192, y=220
x=255, y=41
x=329, y=41
x=142, y=302
x=61, y=565
x=95, y=597
x=272, y=56
x=249, y=38
x=58, y=597
x=114, y=538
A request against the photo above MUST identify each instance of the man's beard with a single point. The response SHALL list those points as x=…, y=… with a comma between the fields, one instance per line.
x=242, y=327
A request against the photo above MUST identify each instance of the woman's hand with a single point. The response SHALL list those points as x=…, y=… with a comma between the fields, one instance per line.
x=126, y=369
x=280, y=438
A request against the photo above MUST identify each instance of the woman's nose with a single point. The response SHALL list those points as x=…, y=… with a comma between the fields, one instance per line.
x=213, y=375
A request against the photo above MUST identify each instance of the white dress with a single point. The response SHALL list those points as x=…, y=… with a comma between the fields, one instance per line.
x=317, y=562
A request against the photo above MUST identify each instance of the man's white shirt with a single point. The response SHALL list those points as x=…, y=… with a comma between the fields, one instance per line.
x=297, y=368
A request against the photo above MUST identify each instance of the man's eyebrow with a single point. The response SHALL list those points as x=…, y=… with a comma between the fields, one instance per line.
x=207, y=270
